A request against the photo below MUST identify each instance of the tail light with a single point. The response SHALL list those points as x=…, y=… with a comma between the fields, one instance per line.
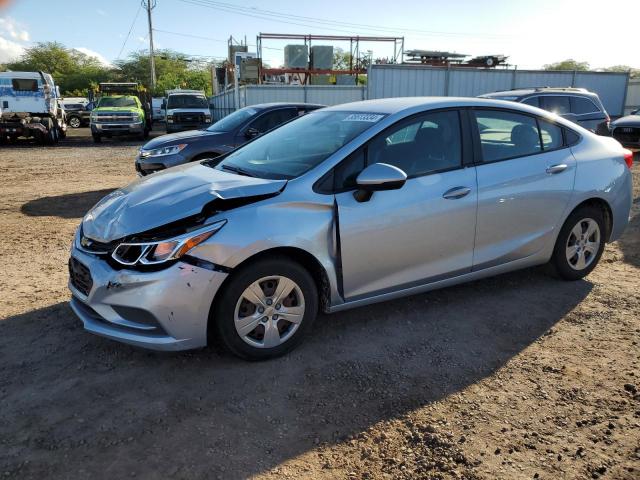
x=628, y=158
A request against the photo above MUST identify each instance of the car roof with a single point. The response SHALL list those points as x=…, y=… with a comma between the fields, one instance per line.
x=522, y=92
x=399, y=104
x=264, y=106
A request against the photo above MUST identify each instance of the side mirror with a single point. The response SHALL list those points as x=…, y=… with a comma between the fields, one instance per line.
x=378, y=177
x=251, y=132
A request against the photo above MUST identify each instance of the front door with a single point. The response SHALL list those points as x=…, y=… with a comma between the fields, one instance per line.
x=425, y=230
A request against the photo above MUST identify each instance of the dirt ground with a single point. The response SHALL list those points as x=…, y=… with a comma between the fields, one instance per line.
x=519, y=376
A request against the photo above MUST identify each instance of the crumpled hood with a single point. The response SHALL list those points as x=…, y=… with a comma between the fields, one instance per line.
x=166, y=197
x=180, y=137
x=628, y=121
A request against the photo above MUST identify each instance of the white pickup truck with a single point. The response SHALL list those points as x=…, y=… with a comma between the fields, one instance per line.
x=187, y=110
x=31, y=107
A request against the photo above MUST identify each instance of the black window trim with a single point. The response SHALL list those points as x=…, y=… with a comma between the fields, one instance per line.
x=467, y=149
x=479, y=160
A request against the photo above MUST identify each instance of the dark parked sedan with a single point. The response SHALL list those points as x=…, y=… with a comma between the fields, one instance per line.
x=221, y=137
x=627, y=130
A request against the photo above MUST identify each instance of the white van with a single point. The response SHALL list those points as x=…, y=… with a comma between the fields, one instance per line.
x=187, y=110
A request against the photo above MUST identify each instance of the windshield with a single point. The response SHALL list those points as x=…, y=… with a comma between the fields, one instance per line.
x=298, y=146
x=187, y=101
x=233, y=121
x=117, y=102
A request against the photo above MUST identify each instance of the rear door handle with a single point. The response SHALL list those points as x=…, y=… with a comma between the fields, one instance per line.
x=456, y=192
x=561, y=167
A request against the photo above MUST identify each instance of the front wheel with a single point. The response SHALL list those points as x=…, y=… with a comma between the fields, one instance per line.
x=75, y=122
x=580, y=243
x=266, y=308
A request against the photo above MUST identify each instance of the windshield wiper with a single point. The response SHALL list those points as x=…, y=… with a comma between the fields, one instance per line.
x=238, y=170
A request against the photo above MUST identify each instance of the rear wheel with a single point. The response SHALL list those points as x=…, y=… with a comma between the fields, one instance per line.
x=580, y=243
x=266, y=308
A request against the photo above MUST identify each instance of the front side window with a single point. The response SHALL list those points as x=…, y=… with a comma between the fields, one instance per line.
x=505, y=135
x=556, y=103
x=533, y=101
x=581, y=106
x=233, y=120
x=272, y=119
x=423, y=144
x=297, y=147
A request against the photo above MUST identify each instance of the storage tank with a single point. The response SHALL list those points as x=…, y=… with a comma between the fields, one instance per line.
x=296, y=56
x=322, y=57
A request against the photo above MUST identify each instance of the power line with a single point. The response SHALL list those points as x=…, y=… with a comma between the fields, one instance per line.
x=130, y=29
x=254, y=12
x=207, y=38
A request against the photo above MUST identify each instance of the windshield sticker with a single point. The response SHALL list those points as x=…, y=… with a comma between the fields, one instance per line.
x=363, y=117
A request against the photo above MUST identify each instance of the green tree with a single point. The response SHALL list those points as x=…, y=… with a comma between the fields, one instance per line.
x=73, y=71
x=634, y=72
x=568, y=64
x=173, y=70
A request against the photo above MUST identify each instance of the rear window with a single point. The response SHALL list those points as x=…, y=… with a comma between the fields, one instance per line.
x=582, y=105
x=24, y=84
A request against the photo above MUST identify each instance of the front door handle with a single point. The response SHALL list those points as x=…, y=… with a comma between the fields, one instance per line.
x=561, y=167
x=456, y=192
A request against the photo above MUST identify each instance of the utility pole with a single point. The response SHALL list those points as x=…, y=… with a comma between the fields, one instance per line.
x=150, y=5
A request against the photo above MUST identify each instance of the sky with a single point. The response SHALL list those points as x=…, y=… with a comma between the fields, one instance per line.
x=530, y=33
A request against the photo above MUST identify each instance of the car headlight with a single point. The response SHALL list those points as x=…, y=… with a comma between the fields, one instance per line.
x=94, y=117
x=207, y=118
x=170, y=150
x=154, y=253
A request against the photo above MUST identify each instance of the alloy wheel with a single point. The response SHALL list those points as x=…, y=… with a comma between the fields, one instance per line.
x=269, y=311
x=583, y=244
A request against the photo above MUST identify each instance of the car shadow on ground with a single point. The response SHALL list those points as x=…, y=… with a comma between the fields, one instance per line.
x=630, y=240
x=113, y=411
x=70, y=205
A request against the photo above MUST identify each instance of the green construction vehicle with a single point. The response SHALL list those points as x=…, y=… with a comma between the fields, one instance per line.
x=121, y=109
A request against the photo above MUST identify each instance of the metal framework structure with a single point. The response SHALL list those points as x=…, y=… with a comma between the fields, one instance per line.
x=356, y=66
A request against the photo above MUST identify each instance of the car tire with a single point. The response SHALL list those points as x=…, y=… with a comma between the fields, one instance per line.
x=75, y=122
x=580, y=243
x=260, y=329
x=97, y=138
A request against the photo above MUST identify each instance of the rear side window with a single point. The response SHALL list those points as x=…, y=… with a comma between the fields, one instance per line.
x=570, y=137
x=24, y=84
x=582, y=105
x=551, y=135
x=505, y=135
x=556, y=103
x=422, y=144
x=533, y=101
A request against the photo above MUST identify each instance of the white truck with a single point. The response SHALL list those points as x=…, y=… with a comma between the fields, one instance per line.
x=186, y=110
x=31, y=107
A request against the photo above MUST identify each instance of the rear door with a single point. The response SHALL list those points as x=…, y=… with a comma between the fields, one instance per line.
x=425, y=230
x=525, y=182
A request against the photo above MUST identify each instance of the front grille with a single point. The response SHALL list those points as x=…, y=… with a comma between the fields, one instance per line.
x=627, y=134
x=89, y=245
x=188, y=117
x=116, y=118
x=80, y=276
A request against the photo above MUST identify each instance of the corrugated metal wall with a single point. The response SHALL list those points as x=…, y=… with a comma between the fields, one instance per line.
x=633, y=96
x=415, y=80
x=223, y=104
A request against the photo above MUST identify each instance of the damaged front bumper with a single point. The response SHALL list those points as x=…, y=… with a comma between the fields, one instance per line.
x=161, y=310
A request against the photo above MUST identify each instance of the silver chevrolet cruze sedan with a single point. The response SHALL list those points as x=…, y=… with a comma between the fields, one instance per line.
x=346, y=206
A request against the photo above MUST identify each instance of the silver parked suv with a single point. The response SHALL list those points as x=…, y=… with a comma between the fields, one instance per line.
x=576, y=104
x=345, y=206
